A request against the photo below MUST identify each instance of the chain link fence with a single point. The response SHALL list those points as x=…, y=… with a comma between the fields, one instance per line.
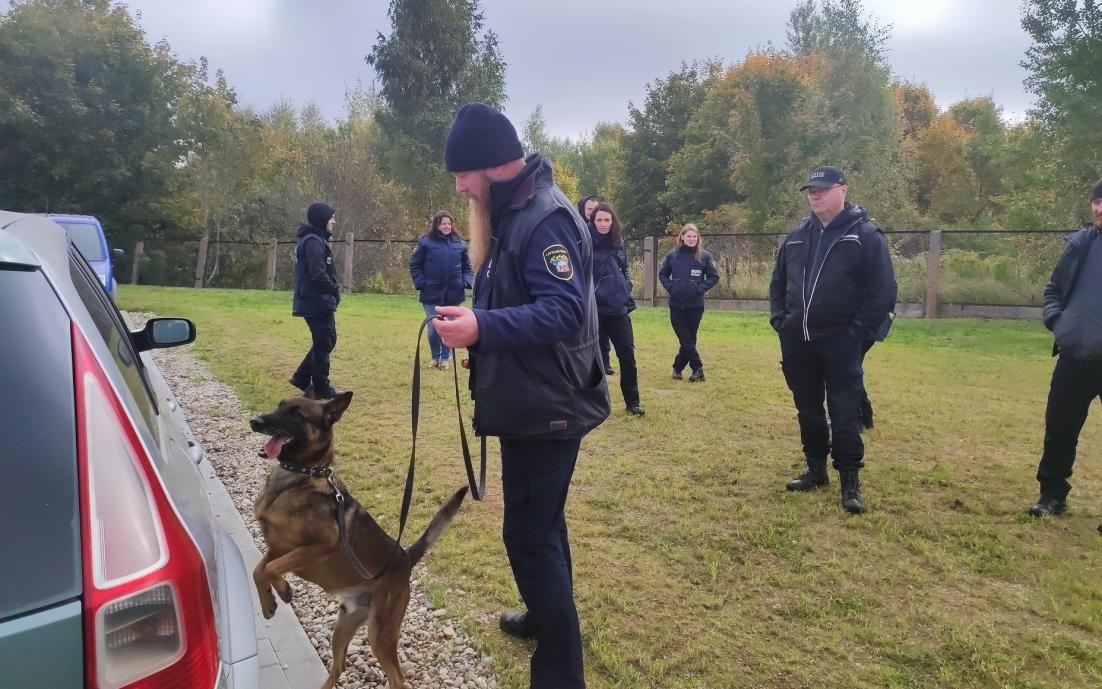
x=989, y=268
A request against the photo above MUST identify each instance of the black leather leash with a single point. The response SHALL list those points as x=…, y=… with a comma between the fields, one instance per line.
x=477, y=491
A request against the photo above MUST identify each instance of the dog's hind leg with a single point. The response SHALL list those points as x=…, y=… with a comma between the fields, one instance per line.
x=348, y=621
x=384, y=628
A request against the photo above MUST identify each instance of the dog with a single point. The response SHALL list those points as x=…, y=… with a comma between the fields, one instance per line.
x=297, y=513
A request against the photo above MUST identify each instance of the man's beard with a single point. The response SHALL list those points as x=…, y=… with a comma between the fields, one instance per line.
x=478, y=217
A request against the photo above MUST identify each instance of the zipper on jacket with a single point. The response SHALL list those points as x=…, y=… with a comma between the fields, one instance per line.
x=808, y=299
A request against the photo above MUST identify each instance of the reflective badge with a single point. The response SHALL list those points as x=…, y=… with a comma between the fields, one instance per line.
x=557, y=260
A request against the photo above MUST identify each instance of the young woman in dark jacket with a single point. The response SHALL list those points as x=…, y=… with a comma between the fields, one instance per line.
x=687, y=273
x=441, y=270
x=612, y=290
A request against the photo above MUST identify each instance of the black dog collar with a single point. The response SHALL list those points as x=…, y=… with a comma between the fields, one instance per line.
x=316, y=472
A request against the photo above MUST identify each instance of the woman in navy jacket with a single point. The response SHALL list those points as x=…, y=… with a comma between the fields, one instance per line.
x=612, y=290
x=441, y=270
x=687, y=273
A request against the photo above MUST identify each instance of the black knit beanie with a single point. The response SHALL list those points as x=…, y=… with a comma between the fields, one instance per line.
x=1096, y=192
x=319, y=214
x=480, y=138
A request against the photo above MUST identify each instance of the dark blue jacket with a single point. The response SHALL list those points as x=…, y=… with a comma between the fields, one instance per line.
x=686, y=279
x=536, y=370
x=317, y=291
x=1065, y=275
x=611, y=278
x=851, y=290
x=441, y=268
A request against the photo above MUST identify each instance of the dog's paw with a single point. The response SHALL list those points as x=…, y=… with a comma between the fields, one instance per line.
x=267, y=605
x=284, y=590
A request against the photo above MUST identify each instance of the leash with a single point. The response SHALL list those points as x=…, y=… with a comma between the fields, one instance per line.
x=477, y=491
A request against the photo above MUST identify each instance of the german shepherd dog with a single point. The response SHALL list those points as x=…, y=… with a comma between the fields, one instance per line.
x=298, y=517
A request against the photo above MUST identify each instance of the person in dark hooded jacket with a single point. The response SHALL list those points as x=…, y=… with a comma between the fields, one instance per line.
x=587, y=205
x=832, y=288
x=317, y=294
x=441, y=270
x=612, y=289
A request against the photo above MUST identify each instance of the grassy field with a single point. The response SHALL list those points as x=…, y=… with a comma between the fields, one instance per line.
x=693, y=567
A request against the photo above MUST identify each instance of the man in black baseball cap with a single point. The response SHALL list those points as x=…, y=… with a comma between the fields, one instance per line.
x=832, y=288
x=1072, y=311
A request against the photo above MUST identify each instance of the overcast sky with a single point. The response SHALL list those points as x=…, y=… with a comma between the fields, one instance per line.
x=583, y=60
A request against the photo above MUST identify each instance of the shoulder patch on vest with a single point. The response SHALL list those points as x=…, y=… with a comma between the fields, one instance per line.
x=557, y=260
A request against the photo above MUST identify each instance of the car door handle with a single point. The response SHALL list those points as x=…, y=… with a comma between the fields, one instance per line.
x=196, y=451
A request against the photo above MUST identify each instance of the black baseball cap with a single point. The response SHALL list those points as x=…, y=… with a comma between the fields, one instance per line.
x=824, y=176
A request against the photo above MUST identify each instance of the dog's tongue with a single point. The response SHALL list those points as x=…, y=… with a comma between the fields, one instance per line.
x=273, y=447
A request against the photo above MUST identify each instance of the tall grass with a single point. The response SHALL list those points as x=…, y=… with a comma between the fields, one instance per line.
x=693, y=567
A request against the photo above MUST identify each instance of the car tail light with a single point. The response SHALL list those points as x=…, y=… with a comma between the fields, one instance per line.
x=149, y=619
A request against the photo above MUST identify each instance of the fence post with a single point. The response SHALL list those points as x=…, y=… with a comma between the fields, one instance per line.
x=139, y=248
x=649, y=274
x=272, y=248
x=201, y=261
x=349, y=244
x=933, y=274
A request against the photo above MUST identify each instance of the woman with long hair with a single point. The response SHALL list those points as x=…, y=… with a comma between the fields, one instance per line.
x=441, y=270
x=687, y=272
x=612, y=289
x=586, y=207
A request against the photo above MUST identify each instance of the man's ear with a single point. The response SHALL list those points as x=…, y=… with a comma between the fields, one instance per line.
x=335, y=407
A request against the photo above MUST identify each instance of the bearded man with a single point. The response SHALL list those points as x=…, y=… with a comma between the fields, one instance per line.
x=535, y=372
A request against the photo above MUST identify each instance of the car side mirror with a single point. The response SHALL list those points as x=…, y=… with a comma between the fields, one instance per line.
x=118, y=253
x=159, y=333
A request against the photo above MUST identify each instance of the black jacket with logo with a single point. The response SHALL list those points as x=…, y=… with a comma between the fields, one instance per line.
x=686, y=279
x=317, y=291
x=851, y=291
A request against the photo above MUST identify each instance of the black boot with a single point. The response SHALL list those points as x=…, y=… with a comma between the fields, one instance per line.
x=851, y=491
x=815, y=476
x=676, y=375
x=697, y=375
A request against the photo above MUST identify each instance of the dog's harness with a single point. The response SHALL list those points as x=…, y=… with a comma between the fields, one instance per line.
x=478, y=492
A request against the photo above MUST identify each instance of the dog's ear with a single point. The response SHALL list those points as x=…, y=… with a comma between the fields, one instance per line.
x=335, y=407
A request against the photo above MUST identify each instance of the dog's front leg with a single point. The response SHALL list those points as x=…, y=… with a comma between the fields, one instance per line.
x=290, y=562
x=264, y=588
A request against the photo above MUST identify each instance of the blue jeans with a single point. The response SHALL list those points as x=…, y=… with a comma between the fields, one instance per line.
x=439, y=351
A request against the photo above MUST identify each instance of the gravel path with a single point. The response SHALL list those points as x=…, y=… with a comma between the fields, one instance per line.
x=433, y=651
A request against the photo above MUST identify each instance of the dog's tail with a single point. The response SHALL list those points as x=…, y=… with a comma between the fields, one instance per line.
x=436, y=526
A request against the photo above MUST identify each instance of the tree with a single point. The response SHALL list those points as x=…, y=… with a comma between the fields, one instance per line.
x=986, y=148
x=837, y=28
x=436, y=59
x=916, y=105
x=1065, y=72
x=657, y=132
x=89, y=119
x=597, y=159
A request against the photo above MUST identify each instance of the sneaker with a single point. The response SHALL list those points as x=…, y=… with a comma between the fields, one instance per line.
x=435, y=363
x=636, y=410
x=1048, y=507
x=609, y=370
x=443, y=365
x=516, y=624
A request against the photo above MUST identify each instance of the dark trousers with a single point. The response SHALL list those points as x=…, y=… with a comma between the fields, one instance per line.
x=1075, y=384
x=866, y=403
x=617, y=330
x=830, y=367
x=606, y=347
x=314, y=369
x=685, y=324
x=535, y=478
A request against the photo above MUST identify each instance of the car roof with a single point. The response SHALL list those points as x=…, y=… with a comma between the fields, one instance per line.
x=37, y=237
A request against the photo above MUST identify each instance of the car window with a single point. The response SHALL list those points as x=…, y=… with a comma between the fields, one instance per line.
x=40, y=536
x=114, y=331
x=87, y=239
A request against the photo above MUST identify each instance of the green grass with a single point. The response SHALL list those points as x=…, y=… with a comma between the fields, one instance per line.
x=694, y=568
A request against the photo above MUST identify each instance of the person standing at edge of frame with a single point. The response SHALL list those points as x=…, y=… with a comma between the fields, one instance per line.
x=687, y=273
x=586, y=206
x=534, y=367
x=316, y=297
x=1073, y=312
x=833, y=285
x=614, y=303
x=441, y=270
